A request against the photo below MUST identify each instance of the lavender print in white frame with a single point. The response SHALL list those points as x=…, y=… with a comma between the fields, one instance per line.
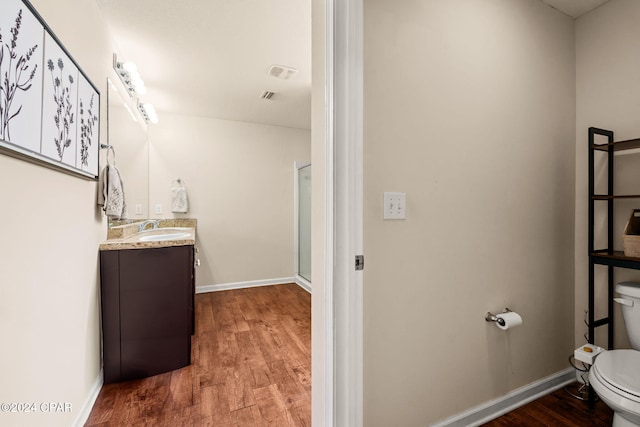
x=41, y=88
x=21, y=51
x=59, y=105
x=88, y=126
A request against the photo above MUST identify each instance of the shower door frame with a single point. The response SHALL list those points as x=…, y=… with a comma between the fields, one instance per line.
x=302, y=281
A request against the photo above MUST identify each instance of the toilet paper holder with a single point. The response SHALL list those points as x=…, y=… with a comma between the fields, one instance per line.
x=490, y=317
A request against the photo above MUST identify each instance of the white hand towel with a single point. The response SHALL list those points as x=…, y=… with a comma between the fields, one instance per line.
x=112, y=197
x=179, y=200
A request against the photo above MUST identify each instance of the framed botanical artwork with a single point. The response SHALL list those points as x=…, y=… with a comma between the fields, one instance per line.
x=60, y=104
x=49, y=109
x=88, y=128
x=21, y=45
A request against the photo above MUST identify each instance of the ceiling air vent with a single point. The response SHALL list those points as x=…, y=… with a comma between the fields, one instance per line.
x=282, y=72
x=267, y=94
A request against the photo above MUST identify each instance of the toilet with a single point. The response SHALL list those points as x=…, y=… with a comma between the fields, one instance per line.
x=615, y=374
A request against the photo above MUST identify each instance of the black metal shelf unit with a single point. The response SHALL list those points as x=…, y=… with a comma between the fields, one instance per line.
x=607, y=256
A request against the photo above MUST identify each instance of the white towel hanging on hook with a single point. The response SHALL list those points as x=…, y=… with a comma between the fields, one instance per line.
x=179, y=199
x=111, y=188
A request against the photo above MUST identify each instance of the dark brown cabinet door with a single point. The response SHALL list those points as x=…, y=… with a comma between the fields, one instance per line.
x=147, y=300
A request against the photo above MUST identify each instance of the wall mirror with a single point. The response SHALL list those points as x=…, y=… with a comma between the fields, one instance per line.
x=127, y=134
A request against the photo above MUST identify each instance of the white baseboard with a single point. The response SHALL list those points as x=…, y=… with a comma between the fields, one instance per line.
x=87, y=406
x=303, y=283
x=243, y=285
x=493, y=409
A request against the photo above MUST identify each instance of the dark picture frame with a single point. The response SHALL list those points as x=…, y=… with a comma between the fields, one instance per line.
x=49, y=108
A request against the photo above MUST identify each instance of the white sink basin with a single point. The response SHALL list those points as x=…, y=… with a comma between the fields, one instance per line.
x=164, y=236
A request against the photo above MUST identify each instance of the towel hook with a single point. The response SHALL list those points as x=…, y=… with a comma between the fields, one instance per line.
x=109, y=149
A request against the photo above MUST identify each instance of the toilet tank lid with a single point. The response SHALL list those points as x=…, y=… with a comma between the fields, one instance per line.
x=630, y=289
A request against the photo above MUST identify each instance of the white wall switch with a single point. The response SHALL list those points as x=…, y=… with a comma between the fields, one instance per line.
x=158, y=209
x=138, y=209
x=395, y=205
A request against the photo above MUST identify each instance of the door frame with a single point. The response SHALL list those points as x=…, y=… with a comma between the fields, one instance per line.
x=342, y=355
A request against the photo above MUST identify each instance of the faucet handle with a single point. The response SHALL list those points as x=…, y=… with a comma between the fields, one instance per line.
x=154, y=224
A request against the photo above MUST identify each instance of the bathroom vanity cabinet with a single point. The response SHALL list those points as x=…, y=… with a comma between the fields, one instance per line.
x=605, y=256
x=147, y=310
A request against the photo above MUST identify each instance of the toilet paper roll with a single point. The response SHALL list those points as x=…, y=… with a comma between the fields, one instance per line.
x=509, y=320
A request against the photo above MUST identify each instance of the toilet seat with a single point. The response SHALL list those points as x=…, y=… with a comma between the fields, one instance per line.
x=619, y=371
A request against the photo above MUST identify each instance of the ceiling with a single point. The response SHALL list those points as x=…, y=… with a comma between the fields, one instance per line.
x=211, y=58
x=574, y=8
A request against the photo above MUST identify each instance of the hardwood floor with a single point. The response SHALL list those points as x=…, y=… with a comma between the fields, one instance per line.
x=251, y=366
x=557, y=409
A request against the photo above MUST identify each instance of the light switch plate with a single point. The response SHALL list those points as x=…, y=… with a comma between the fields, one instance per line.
x=395, y=205
x=158, y=209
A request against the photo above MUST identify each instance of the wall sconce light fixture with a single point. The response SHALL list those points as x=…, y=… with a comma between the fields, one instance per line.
x=133, y=83
x=147, y=112
x=129, y=76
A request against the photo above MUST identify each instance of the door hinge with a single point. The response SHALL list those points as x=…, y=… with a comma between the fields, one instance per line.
x=359, y=262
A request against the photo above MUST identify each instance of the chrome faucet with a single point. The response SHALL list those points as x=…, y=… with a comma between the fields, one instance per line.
x=153, y=222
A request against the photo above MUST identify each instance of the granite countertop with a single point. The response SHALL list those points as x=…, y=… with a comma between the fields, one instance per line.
x=126, y=236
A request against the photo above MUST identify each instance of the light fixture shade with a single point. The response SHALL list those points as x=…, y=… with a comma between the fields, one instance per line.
x=151, y=111
x=136, y=80
x=130, y=67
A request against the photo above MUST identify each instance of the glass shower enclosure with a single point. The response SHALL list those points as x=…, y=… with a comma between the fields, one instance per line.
x=303, y=221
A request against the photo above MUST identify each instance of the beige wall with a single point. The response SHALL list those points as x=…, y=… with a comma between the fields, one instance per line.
x=239, y=177
x=49, y=291
x=469, y=109
x=608, y=90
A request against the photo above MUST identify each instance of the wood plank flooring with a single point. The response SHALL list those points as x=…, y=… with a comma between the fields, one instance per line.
x=554, y=410
x=251, y=366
